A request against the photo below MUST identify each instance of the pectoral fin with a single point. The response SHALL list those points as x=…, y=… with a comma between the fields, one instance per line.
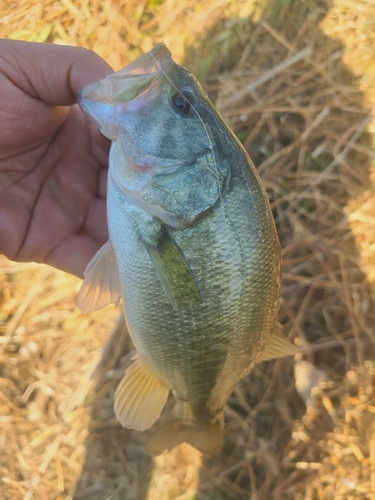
x=101, y=285
x=278, y=348
x=176, y=277
x=140, y=397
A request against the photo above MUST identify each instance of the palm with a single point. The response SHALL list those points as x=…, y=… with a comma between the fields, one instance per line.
x=51, y=183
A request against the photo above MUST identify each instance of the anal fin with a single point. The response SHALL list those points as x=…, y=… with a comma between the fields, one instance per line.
x=140, y=397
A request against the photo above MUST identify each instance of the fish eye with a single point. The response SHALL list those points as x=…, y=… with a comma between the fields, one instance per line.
x=183, y=101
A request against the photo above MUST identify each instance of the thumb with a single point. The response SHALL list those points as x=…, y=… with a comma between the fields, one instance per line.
x=51, y=73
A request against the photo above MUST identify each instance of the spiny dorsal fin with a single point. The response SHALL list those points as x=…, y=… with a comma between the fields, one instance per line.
x=277, y=348
x=176, y=277
x=207, y=438
x=101, y=285
x=140, y=397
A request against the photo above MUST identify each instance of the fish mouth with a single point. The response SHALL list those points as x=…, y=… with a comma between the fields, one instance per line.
x=130, y=82
x=100, y=100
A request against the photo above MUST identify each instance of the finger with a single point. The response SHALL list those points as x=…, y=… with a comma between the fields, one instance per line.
x=73, y=254
x=96, y=223
x=103, y=143
x=52, y=73
x=102, y=185
x=100, y=146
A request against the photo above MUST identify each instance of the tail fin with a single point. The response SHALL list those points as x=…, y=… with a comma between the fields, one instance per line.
x=207, y=438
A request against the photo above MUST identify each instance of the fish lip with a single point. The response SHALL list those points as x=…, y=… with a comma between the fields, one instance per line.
x=89, y=93
x=158, y=58
x=127, y=84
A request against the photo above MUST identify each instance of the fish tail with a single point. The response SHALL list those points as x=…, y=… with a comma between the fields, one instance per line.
x=207, y=438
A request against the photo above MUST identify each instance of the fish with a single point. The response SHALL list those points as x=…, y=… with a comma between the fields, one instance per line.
x=193, y=251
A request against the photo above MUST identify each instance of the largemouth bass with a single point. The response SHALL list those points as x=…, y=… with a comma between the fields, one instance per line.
x=192, y=251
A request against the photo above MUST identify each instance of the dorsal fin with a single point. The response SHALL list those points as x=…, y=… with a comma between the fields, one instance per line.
x=277, y=348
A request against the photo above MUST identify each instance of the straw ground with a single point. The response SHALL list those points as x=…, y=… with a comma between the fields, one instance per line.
x=295, y=80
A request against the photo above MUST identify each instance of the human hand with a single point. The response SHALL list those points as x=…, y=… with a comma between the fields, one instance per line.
x=53, y=166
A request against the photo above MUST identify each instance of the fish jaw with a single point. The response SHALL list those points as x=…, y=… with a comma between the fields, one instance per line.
x=151, y=62
x=101, y=114
x=126, y=91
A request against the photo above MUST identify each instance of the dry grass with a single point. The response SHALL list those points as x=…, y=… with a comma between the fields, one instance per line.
x=295, y=79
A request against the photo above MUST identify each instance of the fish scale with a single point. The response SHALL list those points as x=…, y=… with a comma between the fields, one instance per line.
x=192, y=250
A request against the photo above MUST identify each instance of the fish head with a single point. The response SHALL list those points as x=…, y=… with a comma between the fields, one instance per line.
x=153, y=102
x=167, y=137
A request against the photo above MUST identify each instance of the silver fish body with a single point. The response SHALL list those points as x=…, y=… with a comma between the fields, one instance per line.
x=194, y=245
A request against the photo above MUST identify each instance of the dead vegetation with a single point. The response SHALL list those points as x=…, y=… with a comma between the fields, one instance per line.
x=295, y=80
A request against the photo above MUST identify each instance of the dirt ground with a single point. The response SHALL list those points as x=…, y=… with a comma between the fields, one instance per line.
x=296, y=82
